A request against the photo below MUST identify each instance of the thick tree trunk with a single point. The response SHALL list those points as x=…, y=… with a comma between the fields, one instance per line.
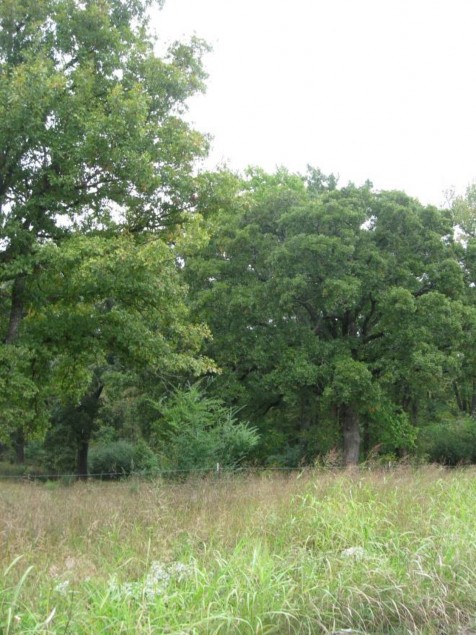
x=351, y=431
x=18, y=438
x=82, y=460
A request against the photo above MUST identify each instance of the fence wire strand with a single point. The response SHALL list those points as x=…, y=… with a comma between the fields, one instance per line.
x=153, y=473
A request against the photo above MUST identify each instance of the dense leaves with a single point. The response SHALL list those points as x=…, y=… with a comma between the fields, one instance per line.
x=330, y=318
x=332, y=308
x=95, y=173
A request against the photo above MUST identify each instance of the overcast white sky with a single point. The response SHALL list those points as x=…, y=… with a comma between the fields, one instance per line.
x=368, y=89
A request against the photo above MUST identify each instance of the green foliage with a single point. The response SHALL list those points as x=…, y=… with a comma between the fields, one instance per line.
x=94, y=155
x=104, y=308
x=450, y=442
x=195, y=432
x=121, y=458
x=330, y=307
x=463, y=211
x=351, y=382
x=83, y=100
x=390, y=430
x=35, y=453
x=20, y=395
x=116, y=296
x=60, y=447
x=338, y=314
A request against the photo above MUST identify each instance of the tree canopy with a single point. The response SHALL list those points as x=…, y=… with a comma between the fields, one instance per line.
x=327, y=316
x=336, y=309
x=95, y=172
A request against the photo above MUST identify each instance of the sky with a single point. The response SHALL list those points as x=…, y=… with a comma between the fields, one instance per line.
x=382, y=90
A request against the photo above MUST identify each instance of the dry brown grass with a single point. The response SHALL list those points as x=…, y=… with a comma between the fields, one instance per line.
x=146, y=519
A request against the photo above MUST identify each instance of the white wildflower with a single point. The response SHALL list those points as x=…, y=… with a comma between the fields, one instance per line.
x=155, y=584
x=180, y=570
x=354, y=552
x=62, y=587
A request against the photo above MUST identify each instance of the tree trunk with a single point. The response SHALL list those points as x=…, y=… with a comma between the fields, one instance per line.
x=87, y=413
x=366, y=438
x=82, y=460
x=351, y=430
x=459, y=400
x=18, y=438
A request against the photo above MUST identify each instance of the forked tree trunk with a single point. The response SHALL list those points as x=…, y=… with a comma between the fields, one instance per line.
x=351, y=432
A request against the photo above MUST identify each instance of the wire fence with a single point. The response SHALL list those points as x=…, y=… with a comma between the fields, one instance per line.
x=217, y=471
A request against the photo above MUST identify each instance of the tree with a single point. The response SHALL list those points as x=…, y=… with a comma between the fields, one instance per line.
x=106, y=305
x=91, y=138
x=195, y=432
x=337, y=307
x=89, y=125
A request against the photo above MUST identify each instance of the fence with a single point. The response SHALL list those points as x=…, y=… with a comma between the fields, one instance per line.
x=216, y=471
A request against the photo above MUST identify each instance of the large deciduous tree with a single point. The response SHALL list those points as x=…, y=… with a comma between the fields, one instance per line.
x=108, y=306
x=335, y=307
x=92, y=138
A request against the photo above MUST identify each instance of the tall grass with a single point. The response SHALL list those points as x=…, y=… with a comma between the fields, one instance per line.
x=374, y=552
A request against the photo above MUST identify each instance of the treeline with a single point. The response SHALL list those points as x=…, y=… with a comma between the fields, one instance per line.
x=172, y=321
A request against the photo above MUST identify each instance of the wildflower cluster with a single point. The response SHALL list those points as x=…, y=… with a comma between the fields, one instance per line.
x=156, y=583
x=62, y=587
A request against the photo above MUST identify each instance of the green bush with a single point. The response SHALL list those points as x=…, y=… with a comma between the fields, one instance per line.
x=145, y=460
x=121, y=458
x=195, y=432
x=450, y=442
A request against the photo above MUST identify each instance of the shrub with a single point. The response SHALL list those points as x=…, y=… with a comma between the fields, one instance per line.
x=450, y=442
x=121, y=458
x=145, y=460
x=195, y=432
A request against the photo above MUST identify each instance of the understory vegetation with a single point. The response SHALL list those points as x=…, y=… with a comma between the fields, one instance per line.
x=378, y=552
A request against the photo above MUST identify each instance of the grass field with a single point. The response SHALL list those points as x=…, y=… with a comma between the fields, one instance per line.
x=370, y=552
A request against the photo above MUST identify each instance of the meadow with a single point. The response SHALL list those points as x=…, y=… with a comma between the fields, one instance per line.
x=374, y=552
